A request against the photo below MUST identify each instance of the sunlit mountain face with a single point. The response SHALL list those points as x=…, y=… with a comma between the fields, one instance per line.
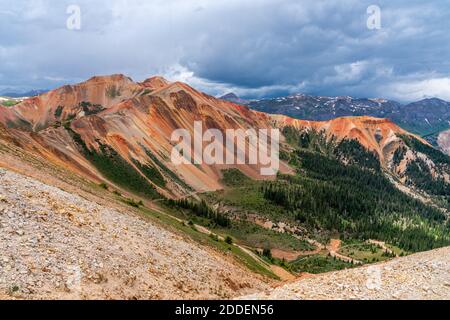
x=188, y=149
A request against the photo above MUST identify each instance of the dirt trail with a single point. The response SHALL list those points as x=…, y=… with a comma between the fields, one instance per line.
x=292, y=255
x=314, y=243
x=383, y=246
x=334, y=245
x=333, y=248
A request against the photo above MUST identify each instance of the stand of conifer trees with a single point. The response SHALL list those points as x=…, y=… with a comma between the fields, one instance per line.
x=201, y=209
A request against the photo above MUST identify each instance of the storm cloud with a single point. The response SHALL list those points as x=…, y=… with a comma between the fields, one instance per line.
x=255, y=48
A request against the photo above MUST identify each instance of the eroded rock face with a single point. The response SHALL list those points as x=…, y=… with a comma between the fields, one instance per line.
x=136, y=121
x=56, y=245
x=133, y=119
x=70, y=101
x=375, y=134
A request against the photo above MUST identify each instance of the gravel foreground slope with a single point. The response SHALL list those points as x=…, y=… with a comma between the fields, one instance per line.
x=56, y=245
x=420, y=276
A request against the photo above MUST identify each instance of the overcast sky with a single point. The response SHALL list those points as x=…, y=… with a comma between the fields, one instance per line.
x=255, y=48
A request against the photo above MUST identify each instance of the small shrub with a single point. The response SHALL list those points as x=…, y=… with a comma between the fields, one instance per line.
x=14, y=289
x=228, y=240
x=145, y=92
x=10, y=103
x=214, y=237
x=267, y=253
x=133, y=203
x=103, y=186
x=113, y=92
x=58, y=111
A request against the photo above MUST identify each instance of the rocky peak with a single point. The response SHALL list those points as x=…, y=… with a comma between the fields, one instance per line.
x=156, y=82
x=232, y=97
x=109, y=78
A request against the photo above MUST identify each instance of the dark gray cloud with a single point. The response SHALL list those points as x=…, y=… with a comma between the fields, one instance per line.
x=255, y=47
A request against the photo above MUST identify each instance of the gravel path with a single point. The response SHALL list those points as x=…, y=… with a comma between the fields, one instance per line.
x=421, y=276
x=58, y=245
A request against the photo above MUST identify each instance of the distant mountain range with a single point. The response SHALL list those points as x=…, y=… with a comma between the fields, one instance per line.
x=427, y=117
x=15, y=94
x=232, y=97
x=135, y=121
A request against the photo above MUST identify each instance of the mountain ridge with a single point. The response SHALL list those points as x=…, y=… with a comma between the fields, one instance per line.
x=115, y=111
x=426, y=117
x=136, y=120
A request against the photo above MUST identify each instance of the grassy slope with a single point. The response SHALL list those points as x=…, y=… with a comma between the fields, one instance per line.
x=9, y=103
x=319, y=263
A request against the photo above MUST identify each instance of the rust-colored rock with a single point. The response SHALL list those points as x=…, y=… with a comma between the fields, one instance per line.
x=136, y=119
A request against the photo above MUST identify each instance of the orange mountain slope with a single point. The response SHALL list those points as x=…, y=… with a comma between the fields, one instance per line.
x=136, y=121
x=376, y=134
